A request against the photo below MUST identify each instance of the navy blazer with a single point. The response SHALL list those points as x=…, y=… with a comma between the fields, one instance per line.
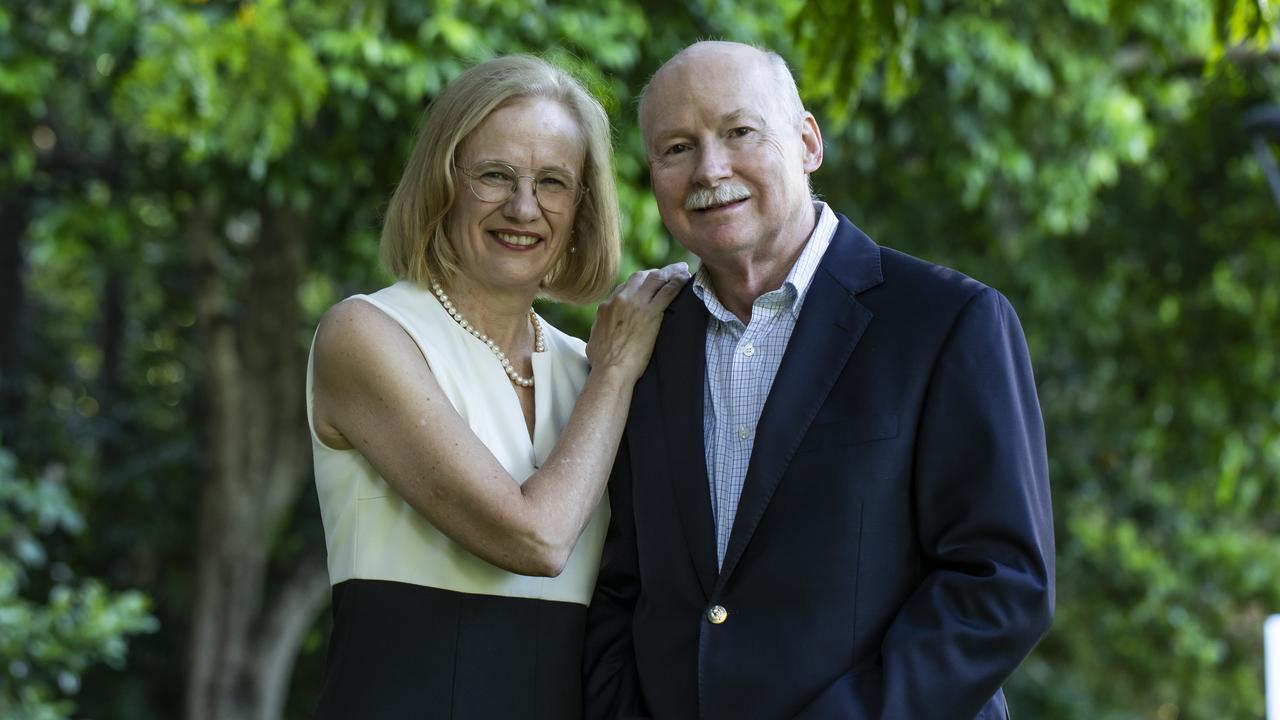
x=892, y=555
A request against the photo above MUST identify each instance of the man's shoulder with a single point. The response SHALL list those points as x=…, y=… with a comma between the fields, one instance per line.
x=901, y=273
x=928, y=276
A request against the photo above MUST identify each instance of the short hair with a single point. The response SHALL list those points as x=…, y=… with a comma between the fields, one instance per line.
x=414, y=245
x=788, y=95
x=788, y=91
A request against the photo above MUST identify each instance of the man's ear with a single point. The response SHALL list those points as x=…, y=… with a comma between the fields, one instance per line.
x=811, y=138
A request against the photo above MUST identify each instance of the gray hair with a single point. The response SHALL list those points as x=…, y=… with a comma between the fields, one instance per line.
x=788, y=93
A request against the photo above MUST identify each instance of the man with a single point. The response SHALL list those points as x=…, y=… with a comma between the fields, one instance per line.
x=832, y=500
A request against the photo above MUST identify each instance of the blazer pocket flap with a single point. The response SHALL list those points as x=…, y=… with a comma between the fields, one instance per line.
x=853, y=430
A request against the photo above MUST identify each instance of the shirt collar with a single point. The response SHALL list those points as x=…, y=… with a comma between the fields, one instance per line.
x=797, y=282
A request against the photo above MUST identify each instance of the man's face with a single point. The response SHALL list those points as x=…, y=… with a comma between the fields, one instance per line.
x=728, y=158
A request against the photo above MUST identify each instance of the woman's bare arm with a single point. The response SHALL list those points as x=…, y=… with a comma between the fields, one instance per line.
x=375, y=393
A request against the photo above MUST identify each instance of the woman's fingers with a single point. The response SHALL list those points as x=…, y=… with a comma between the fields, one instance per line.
x=647, y=284
x=662, y=286
x=628, y=322
x=670, y=289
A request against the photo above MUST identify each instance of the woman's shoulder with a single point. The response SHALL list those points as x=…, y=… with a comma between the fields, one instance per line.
x=353, y=331
x=404, y=304
x=368, y=321
x=403, y=296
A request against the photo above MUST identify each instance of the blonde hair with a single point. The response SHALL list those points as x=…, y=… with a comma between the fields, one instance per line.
x=414, y=245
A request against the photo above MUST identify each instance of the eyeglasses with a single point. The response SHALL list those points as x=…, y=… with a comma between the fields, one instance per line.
x=555, y=190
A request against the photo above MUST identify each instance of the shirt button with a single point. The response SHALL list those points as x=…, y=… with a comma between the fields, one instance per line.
x=749, y=350
x=744, y=432
x=717, y=614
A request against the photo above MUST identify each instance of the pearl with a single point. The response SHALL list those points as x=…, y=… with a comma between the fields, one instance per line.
x=538, y=344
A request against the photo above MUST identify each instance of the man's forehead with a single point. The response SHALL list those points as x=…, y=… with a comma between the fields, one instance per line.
x=680, y=117
x=711, y=67
x=719, y=52
x=705, y=93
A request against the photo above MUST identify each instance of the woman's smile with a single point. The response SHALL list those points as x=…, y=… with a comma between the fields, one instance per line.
x=516, y=239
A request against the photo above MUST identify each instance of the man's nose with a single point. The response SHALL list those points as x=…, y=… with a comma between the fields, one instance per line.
x=713, y=165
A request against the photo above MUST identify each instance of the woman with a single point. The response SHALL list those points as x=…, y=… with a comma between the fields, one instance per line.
x=461, y=447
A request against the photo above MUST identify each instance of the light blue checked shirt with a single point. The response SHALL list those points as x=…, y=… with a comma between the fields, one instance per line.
x=741, y=364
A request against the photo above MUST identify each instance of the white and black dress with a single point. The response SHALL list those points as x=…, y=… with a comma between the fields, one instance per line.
x=422, y=628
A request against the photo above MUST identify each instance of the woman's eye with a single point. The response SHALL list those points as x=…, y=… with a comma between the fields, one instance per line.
x=554, y=183
x=677, y=149
x=739, y=131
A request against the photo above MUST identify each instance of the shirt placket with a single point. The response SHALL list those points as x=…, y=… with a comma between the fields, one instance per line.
x=726, y=472
x=745, y=389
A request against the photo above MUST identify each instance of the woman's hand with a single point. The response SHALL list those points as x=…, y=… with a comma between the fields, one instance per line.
x=374, y=392
x=627, y=323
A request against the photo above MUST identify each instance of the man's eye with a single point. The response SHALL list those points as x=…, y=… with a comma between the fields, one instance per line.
x=677, y=149
x=739, y=132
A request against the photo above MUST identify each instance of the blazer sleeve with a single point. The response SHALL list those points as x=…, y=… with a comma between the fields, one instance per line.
x=984, y=523
x=611, y=685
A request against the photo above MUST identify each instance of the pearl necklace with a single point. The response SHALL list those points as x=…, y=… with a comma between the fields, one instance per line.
x=538, y=345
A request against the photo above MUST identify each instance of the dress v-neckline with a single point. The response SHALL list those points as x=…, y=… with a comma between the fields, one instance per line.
x=530, y=423
x=492, y=369
x=541, y=399
x=527, y=434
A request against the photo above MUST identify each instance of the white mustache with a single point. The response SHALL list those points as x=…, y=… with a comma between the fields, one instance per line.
x=723, y=194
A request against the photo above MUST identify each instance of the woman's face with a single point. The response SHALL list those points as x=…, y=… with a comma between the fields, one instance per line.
x=510, y=244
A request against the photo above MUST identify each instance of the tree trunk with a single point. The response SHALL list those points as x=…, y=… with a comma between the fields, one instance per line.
x=112, y=444
x=14, y=215
x=243, y=642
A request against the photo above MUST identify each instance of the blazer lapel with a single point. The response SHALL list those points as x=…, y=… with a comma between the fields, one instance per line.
x=681, y=364
x=830, y=324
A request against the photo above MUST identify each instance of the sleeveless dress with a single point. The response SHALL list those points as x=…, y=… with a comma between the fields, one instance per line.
x=422, y=628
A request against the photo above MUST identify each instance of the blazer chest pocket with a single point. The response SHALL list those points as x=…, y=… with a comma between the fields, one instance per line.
x=853, y=430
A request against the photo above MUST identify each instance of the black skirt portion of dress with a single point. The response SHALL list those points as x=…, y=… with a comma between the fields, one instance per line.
x=407, y=652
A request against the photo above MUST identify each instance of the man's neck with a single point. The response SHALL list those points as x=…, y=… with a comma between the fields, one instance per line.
x=740, y=281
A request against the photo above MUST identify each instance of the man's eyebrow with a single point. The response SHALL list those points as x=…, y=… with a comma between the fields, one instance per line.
x=741, y=115
x=737, y=115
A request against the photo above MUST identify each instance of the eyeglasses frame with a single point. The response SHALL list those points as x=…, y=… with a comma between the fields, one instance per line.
x=580, y=190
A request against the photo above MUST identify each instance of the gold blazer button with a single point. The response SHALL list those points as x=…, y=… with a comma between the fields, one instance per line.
x=717, y=614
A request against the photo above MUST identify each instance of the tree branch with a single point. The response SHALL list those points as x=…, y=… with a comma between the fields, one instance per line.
x=284, y=625
x=1134, y=59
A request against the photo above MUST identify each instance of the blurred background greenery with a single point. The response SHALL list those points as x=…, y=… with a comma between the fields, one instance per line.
x=186, y=186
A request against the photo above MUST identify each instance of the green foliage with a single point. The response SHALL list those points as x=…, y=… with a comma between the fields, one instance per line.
x=199, y=81
x=1088, y=159
x=23, y=78
x=1172, y=474
x=46, y=646
x=1084, y=157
